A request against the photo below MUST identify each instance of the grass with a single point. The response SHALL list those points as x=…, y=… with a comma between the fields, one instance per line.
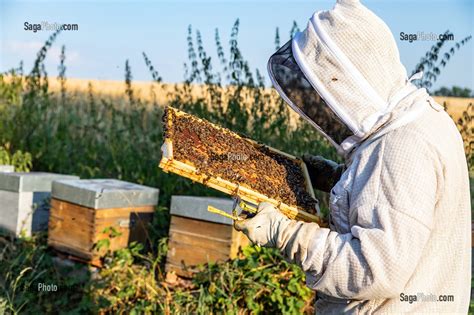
x=133, y=282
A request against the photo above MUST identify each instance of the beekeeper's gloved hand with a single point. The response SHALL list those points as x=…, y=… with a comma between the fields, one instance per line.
x=324, y=173
x=271, y=228
x=263, y=228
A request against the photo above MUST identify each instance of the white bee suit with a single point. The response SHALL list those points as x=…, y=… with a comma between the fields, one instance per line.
x=400, y=213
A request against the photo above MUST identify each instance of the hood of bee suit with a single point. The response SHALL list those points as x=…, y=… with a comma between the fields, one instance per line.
x=343, y=74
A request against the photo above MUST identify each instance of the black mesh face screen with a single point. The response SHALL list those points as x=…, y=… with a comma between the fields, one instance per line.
x=291, y=81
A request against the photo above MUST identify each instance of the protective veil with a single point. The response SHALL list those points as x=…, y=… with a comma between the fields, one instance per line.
x=400, y=214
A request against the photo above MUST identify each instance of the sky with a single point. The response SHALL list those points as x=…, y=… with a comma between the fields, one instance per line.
x=109, y=32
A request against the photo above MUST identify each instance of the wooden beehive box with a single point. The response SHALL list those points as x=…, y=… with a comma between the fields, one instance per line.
x=197, y=236
x=83, y=212
x=187, y=165
x=24, y=203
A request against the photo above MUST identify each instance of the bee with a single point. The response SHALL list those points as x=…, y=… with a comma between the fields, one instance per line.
x=215, y=152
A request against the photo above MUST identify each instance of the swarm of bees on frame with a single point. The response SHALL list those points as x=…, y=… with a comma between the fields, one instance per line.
x=219, y=152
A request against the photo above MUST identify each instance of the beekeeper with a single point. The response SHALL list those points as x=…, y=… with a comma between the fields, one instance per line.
x=400, y=233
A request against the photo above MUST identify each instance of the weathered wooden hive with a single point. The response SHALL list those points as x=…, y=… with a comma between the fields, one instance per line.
x=83, y=212
x=24, y=200
x=197, y=236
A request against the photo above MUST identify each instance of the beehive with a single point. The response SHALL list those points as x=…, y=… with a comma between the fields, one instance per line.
x=83, y=212
x=197, y=236
x=24, y=200
x=193, y=167
x=7, y=168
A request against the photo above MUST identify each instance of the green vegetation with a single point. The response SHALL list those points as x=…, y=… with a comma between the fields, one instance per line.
x=454, y=91
x=97, y=137
x=132, y=282
x=437, y=59
x=21, y=161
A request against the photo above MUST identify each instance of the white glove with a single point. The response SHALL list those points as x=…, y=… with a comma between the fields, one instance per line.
x=270, y=228
x=263, y=229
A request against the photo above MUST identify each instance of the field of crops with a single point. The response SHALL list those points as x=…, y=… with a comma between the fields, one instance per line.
x=151, y=92
x=99, y=129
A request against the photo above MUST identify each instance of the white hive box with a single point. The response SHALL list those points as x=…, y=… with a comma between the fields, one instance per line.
x=7, y=168
x=24, y=200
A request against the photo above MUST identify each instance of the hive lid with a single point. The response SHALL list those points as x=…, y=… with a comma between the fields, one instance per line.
x=7, y=168
x=196, y=208
x=29, y=182
x=104, y=193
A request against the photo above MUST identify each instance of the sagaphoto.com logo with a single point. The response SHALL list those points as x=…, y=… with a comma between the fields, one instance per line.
x=425, y=36
x=50, y=26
